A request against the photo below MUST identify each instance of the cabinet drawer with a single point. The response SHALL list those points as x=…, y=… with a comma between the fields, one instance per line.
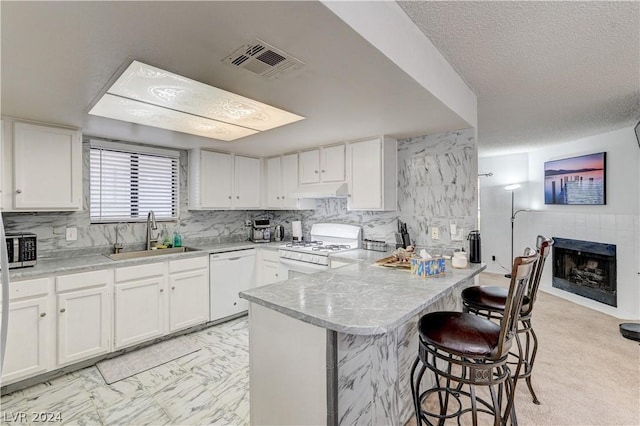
x=271, y=255
x=83, y=280
x=28, y=288
x=188, y=264
x=139, y=271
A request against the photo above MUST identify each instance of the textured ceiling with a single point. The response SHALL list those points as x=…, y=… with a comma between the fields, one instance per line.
x=544, y=72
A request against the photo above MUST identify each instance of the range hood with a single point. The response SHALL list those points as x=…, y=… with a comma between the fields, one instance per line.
x=323, y=190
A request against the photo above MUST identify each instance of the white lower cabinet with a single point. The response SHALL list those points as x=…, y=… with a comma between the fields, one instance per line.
x=188, y=293
x=269, y=268
x=28, y=338
x=83, y=315
x=139, y=304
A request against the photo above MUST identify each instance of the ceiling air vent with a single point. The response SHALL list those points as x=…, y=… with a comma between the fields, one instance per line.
x=263, y=59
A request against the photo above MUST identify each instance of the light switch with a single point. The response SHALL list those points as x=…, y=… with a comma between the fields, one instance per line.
x=72, y=234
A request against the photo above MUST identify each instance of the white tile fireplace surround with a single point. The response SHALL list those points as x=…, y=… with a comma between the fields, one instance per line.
x=623, y=231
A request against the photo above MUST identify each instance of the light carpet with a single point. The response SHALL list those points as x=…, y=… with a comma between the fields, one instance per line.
x=144, y=359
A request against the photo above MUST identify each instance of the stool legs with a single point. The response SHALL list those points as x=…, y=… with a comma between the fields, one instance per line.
x=531, y=349
x=500, y=376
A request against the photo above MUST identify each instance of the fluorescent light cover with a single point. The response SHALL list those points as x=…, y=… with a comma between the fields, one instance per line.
x=150, y=115
x=512, y=187
x=153, y=95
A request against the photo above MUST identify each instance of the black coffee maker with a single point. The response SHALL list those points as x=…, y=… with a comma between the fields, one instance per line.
x=474, y=247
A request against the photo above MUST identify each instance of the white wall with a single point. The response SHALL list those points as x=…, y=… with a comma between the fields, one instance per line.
x=617, y=222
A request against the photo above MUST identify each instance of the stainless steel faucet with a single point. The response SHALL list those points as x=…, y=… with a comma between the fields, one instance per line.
x=117, y=247
x=151, y=225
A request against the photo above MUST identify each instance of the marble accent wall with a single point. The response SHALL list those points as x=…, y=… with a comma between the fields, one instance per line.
x=50, y=227
x=437, y=183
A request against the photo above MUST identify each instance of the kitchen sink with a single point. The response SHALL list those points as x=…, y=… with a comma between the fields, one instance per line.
x=149, y=253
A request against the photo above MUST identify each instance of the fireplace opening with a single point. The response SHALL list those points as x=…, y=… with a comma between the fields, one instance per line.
x=585, y=268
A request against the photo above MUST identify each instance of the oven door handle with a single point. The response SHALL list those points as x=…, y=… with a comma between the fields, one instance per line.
x=304, y=267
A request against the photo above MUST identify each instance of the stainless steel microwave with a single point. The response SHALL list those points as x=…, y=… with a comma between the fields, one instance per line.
x=22, y=249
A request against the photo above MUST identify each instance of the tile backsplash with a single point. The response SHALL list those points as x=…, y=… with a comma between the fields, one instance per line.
x=436, y=183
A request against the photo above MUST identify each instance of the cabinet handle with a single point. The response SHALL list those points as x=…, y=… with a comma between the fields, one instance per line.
x=276, y=275
x=42, y=315
x=229, y=196
x=161, y=290
x=323, y=171
x=277, y=198
x=63, y=310
x=18, y=191
x=348, y=195
x=315, y=171
x=173, y=288
x=237, y=197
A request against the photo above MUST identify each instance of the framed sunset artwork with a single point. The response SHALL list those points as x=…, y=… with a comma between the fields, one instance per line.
x=576, y=180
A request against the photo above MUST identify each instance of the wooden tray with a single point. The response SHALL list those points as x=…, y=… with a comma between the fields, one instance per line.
x=392, y=262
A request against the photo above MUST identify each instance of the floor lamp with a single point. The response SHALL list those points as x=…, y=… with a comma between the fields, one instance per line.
x=513, y=188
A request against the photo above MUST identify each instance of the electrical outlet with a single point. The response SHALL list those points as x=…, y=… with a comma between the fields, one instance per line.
x=247, y=223
x=72, y=234
x=493, y=258
x=435, y=233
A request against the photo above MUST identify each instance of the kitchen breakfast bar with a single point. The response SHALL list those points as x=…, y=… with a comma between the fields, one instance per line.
x=336, y=347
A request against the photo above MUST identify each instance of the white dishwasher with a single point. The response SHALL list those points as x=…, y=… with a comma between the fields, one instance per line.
x=230, y=273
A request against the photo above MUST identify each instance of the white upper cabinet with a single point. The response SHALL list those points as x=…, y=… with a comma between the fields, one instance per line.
x=215, y=180
x=323, y=165
x=274, y=183
x=372, y=174
x=281, y=181
x=247, y=182
x=223, y=181
x=44, y=164
x=310, y=166
x=332, y=164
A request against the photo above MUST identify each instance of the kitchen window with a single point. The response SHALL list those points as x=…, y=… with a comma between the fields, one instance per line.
x=127, y=181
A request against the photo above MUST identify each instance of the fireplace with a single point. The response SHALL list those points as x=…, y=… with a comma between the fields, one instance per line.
x=585, y=268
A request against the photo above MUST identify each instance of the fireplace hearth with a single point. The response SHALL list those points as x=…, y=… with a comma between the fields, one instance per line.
x=585, y=268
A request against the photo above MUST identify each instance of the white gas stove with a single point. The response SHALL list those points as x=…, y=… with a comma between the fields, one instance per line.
x=326, y=239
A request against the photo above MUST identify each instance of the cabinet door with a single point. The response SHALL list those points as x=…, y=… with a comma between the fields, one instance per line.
x=84, y=324
x=216, y=173
x=365, y=175
x=274, y=180
x=48, y=168
x=27, y=339
x=271, y=273
x=310, y=166
x=332, y=169
x=138, y=311
x=289, y=180
x=188, y=299
x=247, y=182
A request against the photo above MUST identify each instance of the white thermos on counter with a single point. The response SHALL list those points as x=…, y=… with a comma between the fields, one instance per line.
x=296, y=230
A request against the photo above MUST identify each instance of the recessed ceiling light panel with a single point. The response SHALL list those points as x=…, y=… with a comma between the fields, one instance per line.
x=134, y=111
x=158, y=93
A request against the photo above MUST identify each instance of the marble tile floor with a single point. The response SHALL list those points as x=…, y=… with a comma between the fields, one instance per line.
x=210, y=386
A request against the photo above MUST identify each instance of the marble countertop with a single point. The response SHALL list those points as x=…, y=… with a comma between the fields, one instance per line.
x=82, y=263
x=361, y=298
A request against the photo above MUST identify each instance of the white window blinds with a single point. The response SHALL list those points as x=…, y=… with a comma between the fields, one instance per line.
x=128, y=181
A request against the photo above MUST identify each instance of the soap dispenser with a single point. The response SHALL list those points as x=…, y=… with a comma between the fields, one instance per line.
x=177, y=238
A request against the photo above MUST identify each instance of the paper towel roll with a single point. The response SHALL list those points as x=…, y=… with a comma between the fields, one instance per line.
x=296, y=230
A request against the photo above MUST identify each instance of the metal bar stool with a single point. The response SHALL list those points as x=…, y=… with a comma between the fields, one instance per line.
x=490, y=301
x=470, y=350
